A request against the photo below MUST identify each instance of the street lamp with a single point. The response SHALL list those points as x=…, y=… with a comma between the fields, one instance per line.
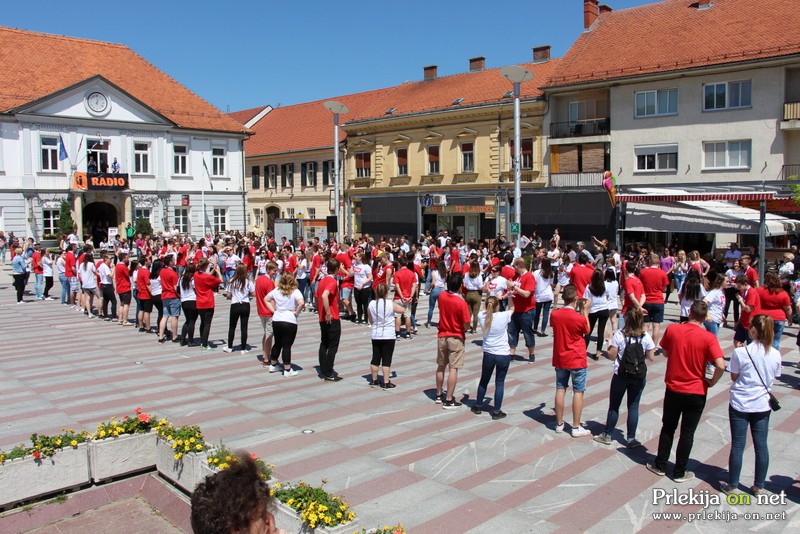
x=517, y=75
x=337, y=108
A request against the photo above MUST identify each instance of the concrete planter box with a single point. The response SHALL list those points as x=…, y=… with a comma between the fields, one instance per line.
x=186, y=472
x=27, y=478
x=289, y=520
x=113, y=457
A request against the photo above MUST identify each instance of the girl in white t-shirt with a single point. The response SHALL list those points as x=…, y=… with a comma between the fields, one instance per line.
x=612, y=294
x=597, y=301
x=496, y=353
x=543, y=296
x=286, y=303
x=381, y=313
x=716, y=305
x=240, y=289
x=47, y=271
x=88, y=276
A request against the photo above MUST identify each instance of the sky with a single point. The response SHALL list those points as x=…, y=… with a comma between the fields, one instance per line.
x=243, y=54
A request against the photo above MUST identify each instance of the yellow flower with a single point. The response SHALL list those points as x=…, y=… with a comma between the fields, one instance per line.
x=74, y=442
x=338, y=515
x=58, y=441
x=278, y=485
x=102, y=433
x=187, y=448
x=174, y=445
x=192, y=440
x=199, y=447
x=228, y=458
x=169, y=438
x=177, y=456
x=290, y=501
x=179, y=441
x=113, y=423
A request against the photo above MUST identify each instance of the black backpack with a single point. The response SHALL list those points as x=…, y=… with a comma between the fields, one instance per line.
x=632, y=363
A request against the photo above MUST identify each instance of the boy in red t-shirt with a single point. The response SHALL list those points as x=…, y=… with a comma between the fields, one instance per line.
x=405, y=287
x=522, y=290
x=569, y=358
x=453, y=320
x=330, y=324
x=264, y=285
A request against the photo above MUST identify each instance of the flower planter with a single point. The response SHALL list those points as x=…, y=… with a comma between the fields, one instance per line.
x=27, y=478
x=289, y=520
x=113, y=457
x=187, y=472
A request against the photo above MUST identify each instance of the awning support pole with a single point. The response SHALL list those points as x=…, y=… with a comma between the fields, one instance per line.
x=762, y=238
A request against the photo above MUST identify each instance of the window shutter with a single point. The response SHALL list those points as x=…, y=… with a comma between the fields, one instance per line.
x=283, y=175
x=303, y=181
x=312, y=173
x=254, y=172
x=326, y=173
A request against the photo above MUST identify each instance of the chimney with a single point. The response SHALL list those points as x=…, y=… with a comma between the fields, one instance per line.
x=477, y=64
x=703, y=4
x=605, y=9
x=541, y=54
x=430, y=72
x=590, y=12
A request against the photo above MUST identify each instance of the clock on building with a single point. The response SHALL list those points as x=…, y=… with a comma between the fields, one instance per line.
x=97, y=102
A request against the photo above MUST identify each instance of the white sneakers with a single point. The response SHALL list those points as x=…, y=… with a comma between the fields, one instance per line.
x=227, y=349
x=580, y=432
x=291, y=372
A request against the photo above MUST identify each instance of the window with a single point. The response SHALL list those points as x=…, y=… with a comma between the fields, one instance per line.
x=308, y=174
x=49, y=153
x=180, y=153
x=656, y=158
x=727, y=154
x=218, y=162
x=181, y=220
x=270, y=171
x=50, y=221
x=258, y=213
x=433, y=159
x=287, y=175
x=526, y=158
x=726, y=95
x=312, y=213
x=467, y=157
x=402, y=162
x=220, y=220
x=141, y=158
x=328, y=177
x=655, y=103
x=363, y=165
x=255, y=176
x=587, y=109
x=290, y=213
x=141, y=213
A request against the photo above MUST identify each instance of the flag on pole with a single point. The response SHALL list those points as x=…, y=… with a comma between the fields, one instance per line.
x=211, y=185
x=62, y=150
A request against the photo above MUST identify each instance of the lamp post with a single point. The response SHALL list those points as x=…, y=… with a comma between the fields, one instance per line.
x=337, y=108
x=517, y=75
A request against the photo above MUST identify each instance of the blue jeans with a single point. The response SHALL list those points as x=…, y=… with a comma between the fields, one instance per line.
x=619, y=386
x=776, y=341
x=759, y=428
x=521, y=322
x=543, y=313
x=38, y=285
x=712, y=327
x=490, y=363
x=679, y=278
x=64, y=281
x=432, y=299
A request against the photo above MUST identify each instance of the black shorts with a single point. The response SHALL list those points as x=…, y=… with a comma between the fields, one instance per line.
x=655, y=313
x=382, y=351
x=146, y=305
x=125, y=298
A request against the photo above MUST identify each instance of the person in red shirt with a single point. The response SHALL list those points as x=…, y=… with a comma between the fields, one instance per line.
x=383, y=271
x=689, y=348
x=750, y=304
x=581, y=276
x=70, y=271
x=569, y=358
x=749, y=271
x=405, y=288
x=347, y=282
x=169, y=300
x=265, y=284
x=38, y=271
x=330, y=323
x=453, y=321
x=633, y=292
x=522, y=290
x=775, y=303
x=143, y=294
x=122, y=281
x=654, y=283
x=206, y=280
x=180, y=262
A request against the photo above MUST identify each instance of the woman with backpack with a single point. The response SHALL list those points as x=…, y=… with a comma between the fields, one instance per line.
x=628, y=349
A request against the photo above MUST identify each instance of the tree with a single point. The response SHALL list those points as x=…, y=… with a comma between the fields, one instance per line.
x=144, y=227
x=65, y=222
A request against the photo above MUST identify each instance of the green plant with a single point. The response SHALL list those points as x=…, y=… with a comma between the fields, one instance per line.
x=316, y=506
x=49, y=236
x=397, y=529
x=46, y=446
x=20, y=451
x=144, y=227
x=65, y=222
x=183, y=440
x=141, y=422
x=222, y=458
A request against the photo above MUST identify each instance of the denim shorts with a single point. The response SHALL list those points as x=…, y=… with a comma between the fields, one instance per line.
x=345, y=293
x=172, y=307
x=578, y=379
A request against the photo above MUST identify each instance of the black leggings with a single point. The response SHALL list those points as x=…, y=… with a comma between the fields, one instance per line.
x=284, y=335
x=363, y=296
x=601, y=318
x=159, y=305
x=19, y=284
x=382, y=352
x=206, y=315
x=730, y=297
x=190, y=313
x=109, y=297
x=48, y=285
x=240, y=310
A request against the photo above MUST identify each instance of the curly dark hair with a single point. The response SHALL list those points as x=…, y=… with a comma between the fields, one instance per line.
x=230, y=500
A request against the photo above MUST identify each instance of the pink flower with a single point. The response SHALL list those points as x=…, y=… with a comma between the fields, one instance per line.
x=144, y=418
x=137, y=410
x=254, y=456
x=37, y=454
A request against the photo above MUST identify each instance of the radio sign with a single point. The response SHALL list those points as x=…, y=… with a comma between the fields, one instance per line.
x=99, y=181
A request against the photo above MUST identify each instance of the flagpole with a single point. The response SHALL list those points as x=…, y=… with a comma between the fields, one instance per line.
x=203, y=196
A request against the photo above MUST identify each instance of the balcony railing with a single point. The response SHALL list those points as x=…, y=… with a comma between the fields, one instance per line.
x=576, y=179
x=790, y=172
x=580, y=128
x=791, y=111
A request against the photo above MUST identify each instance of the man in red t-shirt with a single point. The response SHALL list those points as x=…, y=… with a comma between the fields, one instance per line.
x=654, y=283
x=38, y=271
x=405, y=287
x=70, y=271
x=264, y=285
x=169, y=300
x=750, y=304
x=522, y=290
x=569, y=358
x=453, y=320
x=689, y=348
x=633, y=291
x=346, y=280
x=330, y=323
x=749, y=271
x=581, y=276
x=122, y=281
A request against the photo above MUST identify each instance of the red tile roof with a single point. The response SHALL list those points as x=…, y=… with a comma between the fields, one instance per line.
x=35, y=65
x=305, y=126
x=246, y=114
x=475, y=88
x=675, y=35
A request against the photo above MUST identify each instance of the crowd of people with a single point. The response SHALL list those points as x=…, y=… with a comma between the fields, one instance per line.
x=494, y=287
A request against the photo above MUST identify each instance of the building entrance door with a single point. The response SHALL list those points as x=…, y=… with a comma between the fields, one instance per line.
x=97, y=217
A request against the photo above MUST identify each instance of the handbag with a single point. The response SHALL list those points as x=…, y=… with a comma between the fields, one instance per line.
x=773, y=402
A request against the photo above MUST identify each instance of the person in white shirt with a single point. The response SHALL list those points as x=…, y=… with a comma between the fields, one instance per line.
x=543, y=296
x=753, y=369
x=496, y=286
x=47, y=271
x=382, y=313
x=612, y=300
x=107, y=288
x=716, y=304
x=240, y=289
x=362, y=285
x=595, y=294
x=473, y=284
x=86, y=273
x=286, y=303
x=496, y=354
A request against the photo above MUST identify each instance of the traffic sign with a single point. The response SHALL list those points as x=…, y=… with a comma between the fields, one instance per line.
x=427, y=201
x=514, y=228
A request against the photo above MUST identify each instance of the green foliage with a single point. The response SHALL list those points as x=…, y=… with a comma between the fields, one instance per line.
x=223, y=459
x=46, y=446
x=65, y=222
x=140, y=423
x=316, y=506
x=144, y=227
x=794, y=188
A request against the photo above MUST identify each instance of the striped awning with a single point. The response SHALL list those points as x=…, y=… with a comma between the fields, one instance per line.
x=654, y=198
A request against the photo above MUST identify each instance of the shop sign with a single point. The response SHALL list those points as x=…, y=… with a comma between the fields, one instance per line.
x=99, y=181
